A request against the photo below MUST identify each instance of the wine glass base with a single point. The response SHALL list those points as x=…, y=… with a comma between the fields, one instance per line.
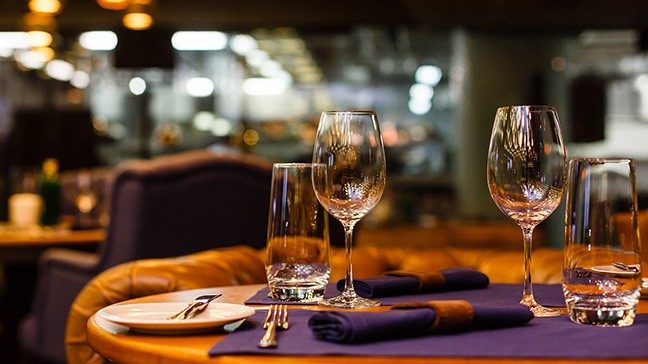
x=541, y=311
x=343, y=301
x=537, y=309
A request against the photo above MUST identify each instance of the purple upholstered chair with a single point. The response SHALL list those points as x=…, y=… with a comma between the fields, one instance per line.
x=164, y=207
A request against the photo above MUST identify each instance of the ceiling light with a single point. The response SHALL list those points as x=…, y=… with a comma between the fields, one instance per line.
x=39, y=38
x=46, y=52
x=421, y=91
x=137, y=18
x=641, y=82
x=269, y=68
x=51, y=7
x=256, y=57
x=265, y=86
x=59, y=70
x=199, y=41
x=99, y=40
x=429, y=75
x=113, y=4
x=35, y=58
x=14, y=40
x=137, y=21
x=80, y=79
x=419, y=106
x=284, y=75
x=204, y=120
x=243, y=44
x=137, y=86
x=222, y=127
x=200, y=87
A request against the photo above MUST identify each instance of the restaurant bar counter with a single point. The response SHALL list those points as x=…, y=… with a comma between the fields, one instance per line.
x=244, y=265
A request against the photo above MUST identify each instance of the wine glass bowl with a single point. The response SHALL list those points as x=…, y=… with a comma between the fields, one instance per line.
x=526, y=175
x=349, y=181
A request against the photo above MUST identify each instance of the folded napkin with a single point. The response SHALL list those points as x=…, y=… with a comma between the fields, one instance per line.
x=398, y=283
x=414, y=319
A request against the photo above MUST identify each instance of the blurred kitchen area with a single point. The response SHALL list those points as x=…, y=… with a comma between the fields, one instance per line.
x=92, y=84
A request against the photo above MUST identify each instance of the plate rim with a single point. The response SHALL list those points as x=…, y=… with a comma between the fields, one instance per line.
x=172, y=325
x=604, y=268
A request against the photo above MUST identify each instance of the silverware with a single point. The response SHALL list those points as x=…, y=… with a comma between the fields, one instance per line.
x=277, y=318
x=625, y=267
x=196, y=306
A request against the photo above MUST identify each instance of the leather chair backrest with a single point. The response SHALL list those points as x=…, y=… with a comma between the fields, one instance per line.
x=184, y=203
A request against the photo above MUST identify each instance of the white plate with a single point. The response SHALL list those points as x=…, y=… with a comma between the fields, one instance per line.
x=614, y=270
x=151, y=317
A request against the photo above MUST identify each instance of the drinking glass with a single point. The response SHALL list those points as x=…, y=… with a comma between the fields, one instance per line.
x=297, y=265
x=351, y=181
x=602, y=264
x=526, y=175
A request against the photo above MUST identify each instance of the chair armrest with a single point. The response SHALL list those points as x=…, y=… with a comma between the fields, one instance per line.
x=71, y=260
x=212, y=268
x=61, y=275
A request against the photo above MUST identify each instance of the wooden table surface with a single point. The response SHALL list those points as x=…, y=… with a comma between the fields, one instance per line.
x=24, y=246
x=123, y=347
x=47, y=237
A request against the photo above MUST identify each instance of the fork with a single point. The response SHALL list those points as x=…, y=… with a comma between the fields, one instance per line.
x=277, y=317
x=196, y=306
x=625, y=267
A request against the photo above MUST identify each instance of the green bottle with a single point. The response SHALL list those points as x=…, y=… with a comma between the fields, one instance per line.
x=50, y=191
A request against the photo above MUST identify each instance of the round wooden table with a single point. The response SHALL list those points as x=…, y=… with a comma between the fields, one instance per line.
x=121, y=346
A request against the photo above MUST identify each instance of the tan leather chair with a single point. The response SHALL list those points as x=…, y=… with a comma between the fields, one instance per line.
x=244, y=265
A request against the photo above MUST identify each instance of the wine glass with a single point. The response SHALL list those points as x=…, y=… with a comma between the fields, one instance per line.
x=350, y=181
x=526, y=175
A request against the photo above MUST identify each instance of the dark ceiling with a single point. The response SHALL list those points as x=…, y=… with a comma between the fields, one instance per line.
x=323, y=15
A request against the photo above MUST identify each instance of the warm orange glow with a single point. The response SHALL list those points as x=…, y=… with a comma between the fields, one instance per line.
x=251, y=137
x=137, y=21
x=113, y=4
x=46, y=52
x=39, y=38
x=50, y=7
x=34, y=21
x=389, y=134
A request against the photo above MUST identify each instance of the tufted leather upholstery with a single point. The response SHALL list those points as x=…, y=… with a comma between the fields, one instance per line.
x=244, y=265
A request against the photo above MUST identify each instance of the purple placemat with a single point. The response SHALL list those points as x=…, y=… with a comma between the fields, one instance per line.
x=546, y=294
x=554, y=337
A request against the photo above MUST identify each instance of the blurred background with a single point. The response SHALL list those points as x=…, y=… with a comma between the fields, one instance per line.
x=93, y=83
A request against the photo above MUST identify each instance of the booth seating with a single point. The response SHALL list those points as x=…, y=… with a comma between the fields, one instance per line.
x=244, y=265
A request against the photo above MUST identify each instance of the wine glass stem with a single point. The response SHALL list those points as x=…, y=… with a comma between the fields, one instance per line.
x=527, y=295
x=349, y=291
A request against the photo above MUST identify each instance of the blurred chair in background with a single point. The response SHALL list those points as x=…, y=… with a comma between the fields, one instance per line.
x=85, y=195
x=168, y=206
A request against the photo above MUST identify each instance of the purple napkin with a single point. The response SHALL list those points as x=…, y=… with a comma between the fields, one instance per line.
x=401, y=283
x=352, y=327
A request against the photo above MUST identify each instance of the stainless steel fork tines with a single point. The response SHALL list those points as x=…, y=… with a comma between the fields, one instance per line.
x=276, y=318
